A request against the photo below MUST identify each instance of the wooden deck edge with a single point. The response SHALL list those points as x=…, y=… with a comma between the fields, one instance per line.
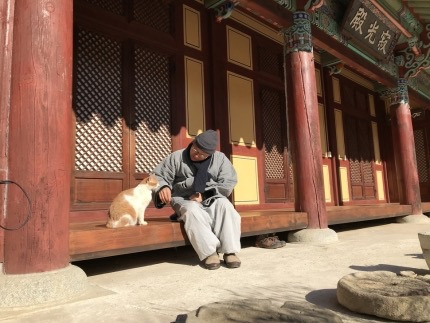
x=340, y=216
x=124, y=251
x=426, y=207
x=95, y=241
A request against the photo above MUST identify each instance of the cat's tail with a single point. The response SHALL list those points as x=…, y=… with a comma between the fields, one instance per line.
x=111, y=224
x=124, y=221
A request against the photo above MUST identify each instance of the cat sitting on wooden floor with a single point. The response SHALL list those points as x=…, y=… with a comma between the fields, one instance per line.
x=128, y=207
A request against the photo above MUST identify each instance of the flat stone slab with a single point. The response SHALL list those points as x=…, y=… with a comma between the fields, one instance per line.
x=259, y=310
x=387, y=295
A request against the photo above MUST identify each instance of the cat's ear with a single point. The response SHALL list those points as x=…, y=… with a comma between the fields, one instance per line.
x=152, y=180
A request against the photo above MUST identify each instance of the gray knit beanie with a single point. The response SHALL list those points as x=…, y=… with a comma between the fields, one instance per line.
x=207, y=141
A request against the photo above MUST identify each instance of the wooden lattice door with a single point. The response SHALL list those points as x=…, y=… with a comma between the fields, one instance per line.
x=122, y=107
x=360, y=153
x=278, y=184
x=150, y=113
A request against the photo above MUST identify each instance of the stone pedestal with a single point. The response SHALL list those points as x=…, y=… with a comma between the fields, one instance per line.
x=424, y=238
x=37, y=289
x=414, y=218
x=313, y=236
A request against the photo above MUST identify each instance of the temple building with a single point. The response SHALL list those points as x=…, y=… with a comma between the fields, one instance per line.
x=322, y=106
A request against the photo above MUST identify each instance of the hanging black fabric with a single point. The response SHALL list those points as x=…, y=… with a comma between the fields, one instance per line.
x=201, y=176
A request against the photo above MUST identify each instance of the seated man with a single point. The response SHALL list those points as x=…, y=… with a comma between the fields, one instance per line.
x=196, y=181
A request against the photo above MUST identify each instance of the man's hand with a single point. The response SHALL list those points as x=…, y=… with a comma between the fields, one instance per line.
x=196, y=197
x=165, y=195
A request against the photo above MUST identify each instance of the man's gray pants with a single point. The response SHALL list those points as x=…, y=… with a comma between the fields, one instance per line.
x=211, y=229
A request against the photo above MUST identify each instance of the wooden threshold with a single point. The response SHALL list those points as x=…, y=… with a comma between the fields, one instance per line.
x=426, y=207
x=347, y=214
x=90, y=240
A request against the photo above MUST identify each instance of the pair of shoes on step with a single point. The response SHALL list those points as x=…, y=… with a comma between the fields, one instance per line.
x=269, y=242
x=230, y=259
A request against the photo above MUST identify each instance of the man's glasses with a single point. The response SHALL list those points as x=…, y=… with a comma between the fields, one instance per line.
x=197, y=153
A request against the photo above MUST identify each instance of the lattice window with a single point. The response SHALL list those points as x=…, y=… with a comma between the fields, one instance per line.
x=291, y=178
x=98, y=103
x=355, y=169
x=272, y=133
x=360, y=151
x=113, y=6
x=422, y=163
x=153, y=13
x=269, y=61
x=367, y=173
x=152, y=104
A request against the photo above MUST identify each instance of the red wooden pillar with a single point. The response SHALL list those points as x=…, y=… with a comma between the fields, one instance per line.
x=403, y=138
x=303, y=122
x=6, y=33
x=40, y=135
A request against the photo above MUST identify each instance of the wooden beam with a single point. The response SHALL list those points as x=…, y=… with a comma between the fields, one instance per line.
x=270, y=11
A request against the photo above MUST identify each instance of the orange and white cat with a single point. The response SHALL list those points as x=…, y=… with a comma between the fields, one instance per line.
x=128, y=207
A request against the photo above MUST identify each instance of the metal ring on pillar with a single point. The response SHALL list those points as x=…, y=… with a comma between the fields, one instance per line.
x=29, y=206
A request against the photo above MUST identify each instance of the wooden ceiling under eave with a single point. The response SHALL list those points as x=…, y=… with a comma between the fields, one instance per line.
x=279, y=17
x=421, y=8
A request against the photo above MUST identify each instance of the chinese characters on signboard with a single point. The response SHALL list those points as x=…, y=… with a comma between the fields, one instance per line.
x=367, y=27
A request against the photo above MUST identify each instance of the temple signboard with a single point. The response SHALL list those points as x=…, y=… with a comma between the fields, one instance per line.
x=367, y=27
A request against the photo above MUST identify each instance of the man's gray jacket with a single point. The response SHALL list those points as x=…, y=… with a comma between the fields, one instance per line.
x=177, y=172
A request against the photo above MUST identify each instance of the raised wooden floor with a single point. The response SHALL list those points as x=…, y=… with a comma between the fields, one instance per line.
x=93, y=240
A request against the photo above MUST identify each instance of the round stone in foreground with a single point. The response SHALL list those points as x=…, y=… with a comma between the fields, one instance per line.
x=259, y=310
x=387, y=295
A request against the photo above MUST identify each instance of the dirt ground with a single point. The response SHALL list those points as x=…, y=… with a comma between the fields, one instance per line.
x=157, y=286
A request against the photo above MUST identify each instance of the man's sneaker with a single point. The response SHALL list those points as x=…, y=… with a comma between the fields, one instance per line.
x=269, y=242
x=212, y=262
x=231, y=260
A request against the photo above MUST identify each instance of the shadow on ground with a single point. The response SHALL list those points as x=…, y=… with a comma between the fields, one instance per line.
x=179, y=255
x=361, y=225
x=184, y=255
x=327, y=298
x=391, y=268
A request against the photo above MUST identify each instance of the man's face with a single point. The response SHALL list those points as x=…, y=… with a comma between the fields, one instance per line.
x=196, y=154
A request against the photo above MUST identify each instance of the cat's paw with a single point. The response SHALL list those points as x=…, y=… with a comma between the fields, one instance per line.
x=143, y=223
